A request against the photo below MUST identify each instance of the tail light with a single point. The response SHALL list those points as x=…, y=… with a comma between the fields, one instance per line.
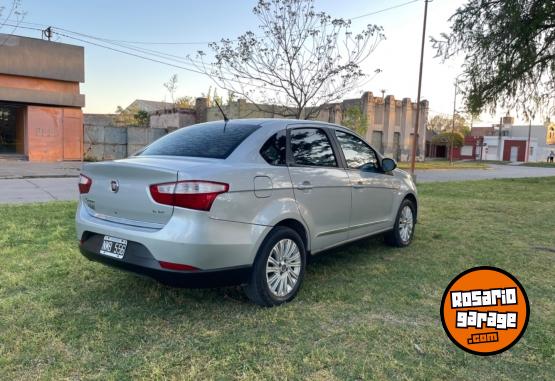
x=191, y=194
x=84, y=184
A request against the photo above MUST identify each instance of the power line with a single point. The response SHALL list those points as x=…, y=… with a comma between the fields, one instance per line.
x=159, y=56
x=162, y=62
x=384, y=10
x=208, y=42
x=129, y=53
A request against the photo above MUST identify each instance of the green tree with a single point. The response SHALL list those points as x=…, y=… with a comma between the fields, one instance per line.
x=231, y=97
x=141, y=118
x=440, y=123
x=444, y=138
x=354, y=119
x=509, y=52
x=301, y=59
x=185, y=102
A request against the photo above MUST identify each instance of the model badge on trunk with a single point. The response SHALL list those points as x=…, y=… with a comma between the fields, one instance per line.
x=114, y=186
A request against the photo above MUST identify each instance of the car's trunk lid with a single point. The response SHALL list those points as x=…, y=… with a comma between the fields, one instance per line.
x=120, y=191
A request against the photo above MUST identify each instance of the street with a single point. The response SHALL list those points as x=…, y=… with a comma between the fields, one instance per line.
x=493, y=172
x=37, y=189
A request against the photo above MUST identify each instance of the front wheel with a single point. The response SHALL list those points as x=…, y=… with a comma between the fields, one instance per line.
x=278, y=269
x=403, y=230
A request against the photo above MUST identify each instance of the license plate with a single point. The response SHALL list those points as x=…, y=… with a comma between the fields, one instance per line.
x=113, y=247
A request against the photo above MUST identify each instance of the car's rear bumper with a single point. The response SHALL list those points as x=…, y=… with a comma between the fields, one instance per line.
x=139, y=260
x=189, y=237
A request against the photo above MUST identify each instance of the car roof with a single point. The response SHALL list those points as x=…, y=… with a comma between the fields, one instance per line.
x=279, y=123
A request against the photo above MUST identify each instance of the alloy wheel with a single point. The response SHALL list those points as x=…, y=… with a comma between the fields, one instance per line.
x=406, y=223
x=283, y=267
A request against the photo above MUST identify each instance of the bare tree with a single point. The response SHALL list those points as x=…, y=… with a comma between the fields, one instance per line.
x=301, y=61
x=11, y=14
x=171, y=86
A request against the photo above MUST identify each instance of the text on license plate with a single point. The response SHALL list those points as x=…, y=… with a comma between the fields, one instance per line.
x=113, y=247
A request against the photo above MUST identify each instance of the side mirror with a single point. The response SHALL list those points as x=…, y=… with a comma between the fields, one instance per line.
x=388, y=164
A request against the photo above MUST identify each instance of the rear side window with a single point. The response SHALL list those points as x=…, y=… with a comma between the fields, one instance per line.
x=273, y=151
x=311, y=146
x=211, y=140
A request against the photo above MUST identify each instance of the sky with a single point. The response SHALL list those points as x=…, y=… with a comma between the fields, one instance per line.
x=113, y=79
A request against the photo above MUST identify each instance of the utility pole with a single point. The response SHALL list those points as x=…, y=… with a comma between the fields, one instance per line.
x=415, y=138
x=500, y=139
x=453, y=125
x=47, y=33
x=528, y=144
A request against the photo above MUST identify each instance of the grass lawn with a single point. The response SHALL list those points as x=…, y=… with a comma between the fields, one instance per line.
x=540, y=164
x=445, y=164
x=366, y=311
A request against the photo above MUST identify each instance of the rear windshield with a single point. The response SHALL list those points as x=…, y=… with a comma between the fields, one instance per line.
x=211, y=140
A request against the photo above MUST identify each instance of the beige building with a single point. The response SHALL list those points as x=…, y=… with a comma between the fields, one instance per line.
x=386, y=123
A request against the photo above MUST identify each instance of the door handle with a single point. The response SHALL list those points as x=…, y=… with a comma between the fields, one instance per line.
x=305, y=185
x=359, y=184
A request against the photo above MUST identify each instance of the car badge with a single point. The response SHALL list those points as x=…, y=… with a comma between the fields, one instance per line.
x=114, y=186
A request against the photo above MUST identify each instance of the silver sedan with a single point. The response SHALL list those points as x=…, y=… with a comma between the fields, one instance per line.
x=242, y=202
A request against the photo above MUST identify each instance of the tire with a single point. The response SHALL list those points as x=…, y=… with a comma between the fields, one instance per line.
x=275, y=281
x=400, y=236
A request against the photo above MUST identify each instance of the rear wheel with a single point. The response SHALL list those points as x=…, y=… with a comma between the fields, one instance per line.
x=278, y=269
x=403, y=230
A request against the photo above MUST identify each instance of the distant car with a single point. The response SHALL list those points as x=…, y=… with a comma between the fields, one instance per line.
x=242, y=202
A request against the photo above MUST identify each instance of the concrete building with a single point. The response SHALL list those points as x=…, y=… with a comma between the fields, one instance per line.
x=148, y=106
x=40, y=100
x=487, y=143
x=386, y=123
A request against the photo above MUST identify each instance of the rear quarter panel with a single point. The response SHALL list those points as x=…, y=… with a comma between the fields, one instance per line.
x=241, y=204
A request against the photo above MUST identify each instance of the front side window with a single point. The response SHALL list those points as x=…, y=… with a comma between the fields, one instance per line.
x=357, y=153
x=273, y=151
x=311, y=146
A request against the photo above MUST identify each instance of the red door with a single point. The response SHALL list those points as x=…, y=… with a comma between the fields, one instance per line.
x=73, y=134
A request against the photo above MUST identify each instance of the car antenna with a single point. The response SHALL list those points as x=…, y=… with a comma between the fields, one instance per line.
x=226, y=119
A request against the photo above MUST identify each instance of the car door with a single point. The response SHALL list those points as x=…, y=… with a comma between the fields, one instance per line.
x=320, y=184
x=372, y=191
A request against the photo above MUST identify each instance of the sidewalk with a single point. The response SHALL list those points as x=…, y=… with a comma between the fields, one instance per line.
x=15, y=191
x=39, y=182
x=20, y=169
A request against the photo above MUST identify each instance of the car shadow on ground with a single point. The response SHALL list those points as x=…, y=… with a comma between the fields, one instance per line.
x=118, y=285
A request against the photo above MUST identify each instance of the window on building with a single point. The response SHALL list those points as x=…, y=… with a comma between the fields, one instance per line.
x=397, y=145
x=466, y=151
x=379, y=114
x=412, y=142
x=377, y=140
